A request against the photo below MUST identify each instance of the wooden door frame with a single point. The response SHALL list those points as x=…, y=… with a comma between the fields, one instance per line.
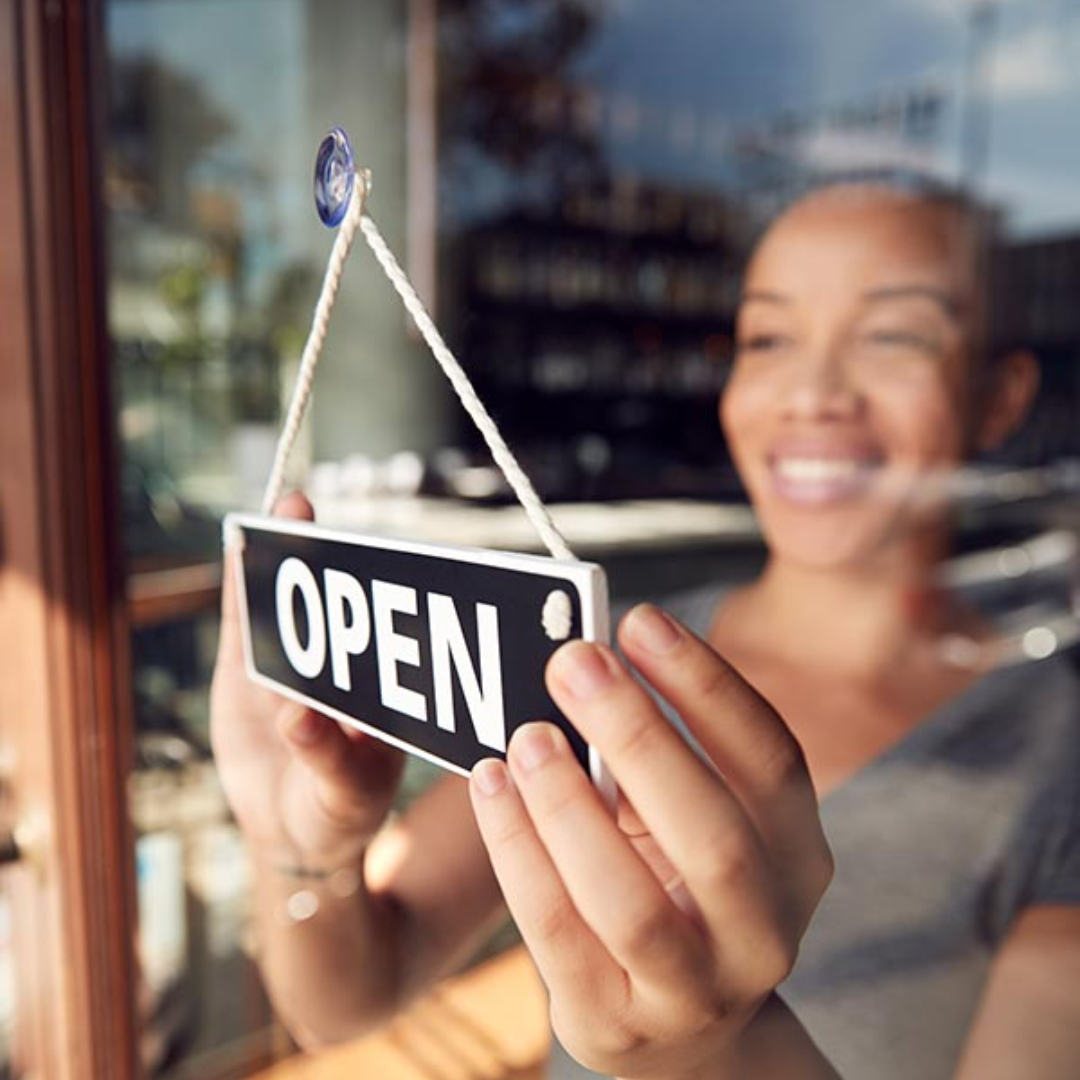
x=65, y=713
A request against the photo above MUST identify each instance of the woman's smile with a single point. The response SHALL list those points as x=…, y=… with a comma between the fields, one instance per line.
x=819, y=476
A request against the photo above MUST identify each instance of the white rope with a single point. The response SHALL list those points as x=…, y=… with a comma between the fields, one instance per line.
x=320, y=323
x=355, y=217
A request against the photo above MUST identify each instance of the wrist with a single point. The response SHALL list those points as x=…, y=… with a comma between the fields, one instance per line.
x=772, y=1046
x=284, y=858
x=289, y=870
x=301, y=870
x=290, y=866
x=294, y=891
x=776, y=1046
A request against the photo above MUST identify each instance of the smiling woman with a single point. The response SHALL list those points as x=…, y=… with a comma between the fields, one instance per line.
x=864, y=377
x=862, y=369
x=691, y=934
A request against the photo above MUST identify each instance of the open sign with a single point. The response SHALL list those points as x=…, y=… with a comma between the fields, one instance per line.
x=439, y=650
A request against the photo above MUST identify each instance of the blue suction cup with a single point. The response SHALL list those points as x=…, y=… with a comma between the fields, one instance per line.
x=335, y=175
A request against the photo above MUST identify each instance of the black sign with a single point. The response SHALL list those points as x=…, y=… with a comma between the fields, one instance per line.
x=438, y=650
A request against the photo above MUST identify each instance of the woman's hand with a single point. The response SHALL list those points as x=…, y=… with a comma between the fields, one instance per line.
x=306, y=790
x=662, y=931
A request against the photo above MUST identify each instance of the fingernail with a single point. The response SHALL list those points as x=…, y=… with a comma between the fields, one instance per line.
x=303, y=729
x=650, y=628
x=582, y=668
x=532, y=745
x=489, y=776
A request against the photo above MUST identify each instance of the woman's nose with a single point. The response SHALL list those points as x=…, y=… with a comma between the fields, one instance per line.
x=821, y=388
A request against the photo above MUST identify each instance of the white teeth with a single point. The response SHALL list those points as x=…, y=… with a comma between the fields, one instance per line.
x=818, y=470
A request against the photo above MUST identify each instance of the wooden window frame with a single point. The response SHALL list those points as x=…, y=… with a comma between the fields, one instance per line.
x=66, y=714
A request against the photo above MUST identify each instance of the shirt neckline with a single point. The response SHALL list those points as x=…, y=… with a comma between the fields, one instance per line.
x=939, y=724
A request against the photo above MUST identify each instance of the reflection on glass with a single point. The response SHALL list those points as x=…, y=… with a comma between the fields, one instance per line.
x=1026, y=580
x=206, y=286
x=215, y=248
x=605, y=197
x=195, y=951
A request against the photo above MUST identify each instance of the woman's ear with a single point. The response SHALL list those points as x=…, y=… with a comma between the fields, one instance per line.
x=1014, y=382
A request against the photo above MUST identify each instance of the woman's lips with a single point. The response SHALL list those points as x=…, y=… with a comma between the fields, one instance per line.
x=817, y=479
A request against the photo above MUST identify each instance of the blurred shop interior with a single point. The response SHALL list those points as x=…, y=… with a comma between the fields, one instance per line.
x=573, y=186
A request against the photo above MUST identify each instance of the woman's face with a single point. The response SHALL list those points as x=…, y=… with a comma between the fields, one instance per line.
x=851, y=385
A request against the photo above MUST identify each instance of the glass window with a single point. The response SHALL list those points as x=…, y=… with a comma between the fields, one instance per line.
x=575, y=186
x=604, y=167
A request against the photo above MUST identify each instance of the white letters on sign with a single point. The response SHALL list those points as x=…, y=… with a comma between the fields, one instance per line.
x=394, y=648
x=348, y=636
x=308, y=660
x=342, y=623
x=484, y=697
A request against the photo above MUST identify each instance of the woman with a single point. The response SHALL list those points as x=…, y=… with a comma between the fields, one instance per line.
x=949, y=944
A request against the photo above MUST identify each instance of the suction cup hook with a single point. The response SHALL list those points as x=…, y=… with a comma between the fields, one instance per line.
x=336, y=175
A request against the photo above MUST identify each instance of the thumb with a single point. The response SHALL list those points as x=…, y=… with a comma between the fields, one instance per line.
x=295, y=505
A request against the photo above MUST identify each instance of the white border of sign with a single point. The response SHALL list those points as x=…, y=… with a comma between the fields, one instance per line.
x=588, y=577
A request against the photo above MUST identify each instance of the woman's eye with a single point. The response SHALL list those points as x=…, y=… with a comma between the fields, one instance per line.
x=904, y=339
x=762, y=342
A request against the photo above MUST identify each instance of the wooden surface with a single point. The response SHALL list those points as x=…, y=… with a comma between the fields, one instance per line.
x=489, y=1024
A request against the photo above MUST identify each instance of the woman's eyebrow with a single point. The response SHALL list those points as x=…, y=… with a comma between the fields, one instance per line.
x=949, y=304
x=764, y=296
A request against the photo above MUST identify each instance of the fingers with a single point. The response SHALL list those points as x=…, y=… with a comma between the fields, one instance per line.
x=677, y=796
x=760, y=759
x=696, y=820
x=350, y=772
x=571, y=959
x=644, y=930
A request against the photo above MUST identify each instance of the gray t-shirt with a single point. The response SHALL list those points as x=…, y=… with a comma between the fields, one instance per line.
x=939, y=844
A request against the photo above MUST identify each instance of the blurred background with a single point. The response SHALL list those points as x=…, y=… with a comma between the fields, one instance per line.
x=573, y=186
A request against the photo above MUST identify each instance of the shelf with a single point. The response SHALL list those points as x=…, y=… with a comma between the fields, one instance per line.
x=165, y=595
x=495, y=305
x=660, y=528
